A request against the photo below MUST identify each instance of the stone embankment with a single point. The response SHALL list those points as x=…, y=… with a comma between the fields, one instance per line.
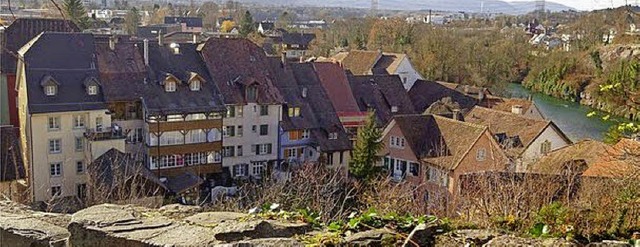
x=176, y=225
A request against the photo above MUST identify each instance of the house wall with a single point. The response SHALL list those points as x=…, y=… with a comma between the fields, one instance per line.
x=533, y=112
x=495, y=160
x=336, y=162
x=68, y=156
x=251, y=116
x=4, y=100
x=407, y=73
x=533, y=152
x=310, y=153
x=405, y=153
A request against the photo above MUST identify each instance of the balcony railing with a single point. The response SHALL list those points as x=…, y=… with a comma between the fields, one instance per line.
x=103, y=134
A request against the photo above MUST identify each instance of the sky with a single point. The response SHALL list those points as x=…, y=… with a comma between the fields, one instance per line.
x=593, y=4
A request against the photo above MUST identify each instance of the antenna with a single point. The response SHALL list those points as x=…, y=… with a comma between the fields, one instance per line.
x=374, y=7
x=540, y=9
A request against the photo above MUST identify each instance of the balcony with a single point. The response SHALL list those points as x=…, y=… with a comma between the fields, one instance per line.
x=184, y=148
x=105, y=134
x=157, y=127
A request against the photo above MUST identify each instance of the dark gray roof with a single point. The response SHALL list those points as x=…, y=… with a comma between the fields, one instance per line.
x=190, y=21
x=382, y=93
x=69, y=59
x=21, y=31
x=183, y=182
x=11, y=165
x=302, y=39
x=122, y=71
x=152, y=31
x=163, y=62
x=290, y=91
x=320, y=105
x=424, y=93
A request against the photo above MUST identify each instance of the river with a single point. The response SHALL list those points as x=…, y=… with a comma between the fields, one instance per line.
x=570, y=117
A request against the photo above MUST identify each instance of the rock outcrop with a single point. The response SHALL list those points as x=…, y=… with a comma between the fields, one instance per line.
x=21, y=226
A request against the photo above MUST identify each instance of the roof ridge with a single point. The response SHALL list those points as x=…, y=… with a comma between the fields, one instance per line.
x=479, y=126
x=507, y=113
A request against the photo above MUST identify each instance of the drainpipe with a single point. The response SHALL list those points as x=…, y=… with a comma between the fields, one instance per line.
x=280, y=133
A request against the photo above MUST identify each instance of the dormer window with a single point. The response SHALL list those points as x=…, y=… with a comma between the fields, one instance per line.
x=333, y=135
x=170, y=86
x=92, y=90
x=252, y=93
x=194, y=85
x=50, y=90
x=49, y=85
x=394, y=109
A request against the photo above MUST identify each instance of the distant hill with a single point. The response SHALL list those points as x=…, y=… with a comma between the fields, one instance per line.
x=490, y=6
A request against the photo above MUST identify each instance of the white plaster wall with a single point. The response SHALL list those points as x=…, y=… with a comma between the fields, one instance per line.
x=406, y=71
x=532, y=154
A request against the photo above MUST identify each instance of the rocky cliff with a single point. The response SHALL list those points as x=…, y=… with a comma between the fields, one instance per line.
x=176, y=225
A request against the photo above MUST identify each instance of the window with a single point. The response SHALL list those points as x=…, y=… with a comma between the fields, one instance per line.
x=261, y=149
x=333, y=135
x=305, y=134
x=414, y=168
x=135, y=136
x=54, y=146
x=330, y=158
x=252, y=93
x=99, y=124
x=194, y=85
x=258, y=168
x=545, y=147
x=55, y=170
x=342, y=157
x=79, y=144
x=54, y=123
x=199, y=116
x=79, y=167
x=170, y=86
x=50, y=90
x=229, y=131
x=394, y=109
x=228, y=151
x=481, y=155
x=264, y=110
x=217, y=157
x=295, y=135
x=92, y=90
x=78, y=122
x=56, y=191
x=239, y=130
x=239, y=150
x=175, y=118
x=291, y=153
x=196, y=136
x=240, y=170
x=231, y=111
x=397, y=142
x=294, y=111
x=264, y=129
x=81, y=191
x=254, y=128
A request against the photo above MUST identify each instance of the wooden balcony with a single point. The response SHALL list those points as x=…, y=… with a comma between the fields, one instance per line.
x=185, y=125
x=196, y=169
x=185, y=148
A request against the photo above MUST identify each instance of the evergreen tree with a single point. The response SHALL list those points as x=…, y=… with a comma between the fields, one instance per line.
x=74, y=10
x=365, y=153
x=131, y=21
x=246, y=24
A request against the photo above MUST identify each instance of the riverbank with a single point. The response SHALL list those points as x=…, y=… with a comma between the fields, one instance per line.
x=570, y=117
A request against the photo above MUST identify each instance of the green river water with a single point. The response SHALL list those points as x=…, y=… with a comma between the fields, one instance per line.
x=570, y=117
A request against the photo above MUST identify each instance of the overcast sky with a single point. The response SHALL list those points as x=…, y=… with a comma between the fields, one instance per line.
x=593, y=4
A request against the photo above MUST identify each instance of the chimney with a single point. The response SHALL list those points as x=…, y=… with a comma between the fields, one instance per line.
x=304, y=92
x=146, y=51
x=195, y=38
x=160, y=38
x=301, y=59
x=112, y=42
x=517, y=109
x=457, y=115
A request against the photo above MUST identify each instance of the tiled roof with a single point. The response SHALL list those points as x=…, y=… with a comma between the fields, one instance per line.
x=326, y=118
x=113, y=167
x=69, y=59
x=296, y=38
x=11, y=165
x=289, y=89
x=163, y=62
x=231, y=61
x=438, y=140
x=620, y=161
x=121, y=68
x=588, y=151
x=334, y=80
x=359, y=62
x=469, y=90
x=424, y=93
x=507, y=104
x=22, y=30
x=389, y=63
x=382, y=93
x=512, y=125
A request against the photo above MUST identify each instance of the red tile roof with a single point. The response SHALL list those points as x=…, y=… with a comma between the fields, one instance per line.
x=334, y=80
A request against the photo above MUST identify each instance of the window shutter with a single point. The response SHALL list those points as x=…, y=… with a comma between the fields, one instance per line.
x=246, y=170
x=235, y=170
x=269, y=147
x=254, y=149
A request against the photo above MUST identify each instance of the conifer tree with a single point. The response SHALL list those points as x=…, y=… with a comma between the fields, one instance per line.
x=246, y=24
x=365, y=153
x=74, y=10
